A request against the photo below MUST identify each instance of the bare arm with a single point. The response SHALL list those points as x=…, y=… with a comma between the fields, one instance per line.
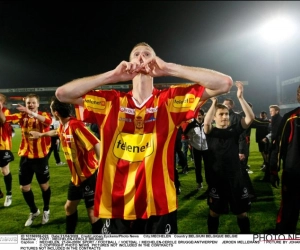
x=97, y=150
x=207, y=124
x=36, y=135
x=21, y=108
x=73, y=91
x=2, y=116
x=215, y=82
x=249, y=115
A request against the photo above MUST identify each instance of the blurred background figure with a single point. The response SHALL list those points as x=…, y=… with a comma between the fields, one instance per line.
x=55, y=144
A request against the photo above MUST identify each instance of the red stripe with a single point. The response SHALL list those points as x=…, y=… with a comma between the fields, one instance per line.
x=292, y=128
x=118, y=189
x=158, y=182
x=107, y=138
x=159, y=188
x=140, y=201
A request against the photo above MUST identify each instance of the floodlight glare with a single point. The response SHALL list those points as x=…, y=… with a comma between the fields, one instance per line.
x=278, y=30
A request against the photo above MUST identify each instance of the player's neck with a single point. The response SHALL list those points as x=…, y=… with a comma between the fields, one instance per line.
x=221, y=126
x=64, y=121
x=142, y=88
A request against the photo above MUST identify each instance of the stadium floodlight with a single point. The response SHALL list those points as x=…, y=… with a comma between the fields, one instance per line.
x=278, y=30
x=275, y=32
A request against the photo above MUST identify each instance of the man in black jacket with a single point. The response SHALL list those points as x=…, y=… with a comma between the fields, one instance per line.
x=289, y=148
x=272, y=138
x=261, y=125
x=197, y=140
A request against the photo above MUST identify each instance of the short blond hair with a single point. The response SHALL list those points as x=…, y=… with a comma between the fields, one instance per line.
x=141, y=44
x=276, y=107
x=32, y=95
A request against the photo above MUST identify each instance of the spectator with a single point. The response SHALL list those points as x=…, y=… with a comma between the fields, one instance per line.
x=182, y=160
x=180, y=156
x=261, y=125
x=197, y=139
x=55, y=144
x=272, y=139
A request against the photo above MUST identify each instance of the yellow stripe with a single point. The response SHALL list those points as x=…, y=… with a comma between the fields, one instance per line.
x=130, y=190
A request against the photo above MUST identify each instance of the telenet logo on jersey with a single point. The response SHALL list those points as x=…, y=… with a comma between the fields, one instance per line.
x=133, y=148
x=96, y=103
x=184, y=101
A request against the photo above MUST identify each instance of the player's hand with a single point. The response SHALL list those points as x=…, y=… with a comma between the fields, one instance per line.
x=242, y=157
x=240, y=88
x=126, y=71
x=154, y=67
x=22, y=108
x=274, y=179
x=34, y=134
x=214, y=101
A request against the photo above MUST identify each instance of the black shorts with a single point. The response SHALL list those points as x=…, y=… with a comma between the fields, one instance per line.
x=29, y=167
x=85, y=191
x=6, y=156
x=263, y=147
x=224, y=194
x=164, y=224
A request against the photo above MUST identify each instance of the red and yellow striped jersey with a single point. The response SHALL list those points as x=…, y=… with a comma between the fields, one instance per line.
x=78, y=146
x=5, y=132
x=136, y=173
x=32, y=148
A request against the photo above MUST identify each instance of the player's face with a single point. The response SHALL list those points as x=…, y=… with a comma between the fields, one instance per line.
x=263, y=116
x=141, y=53
x=54, y=113
x=228, y=104
x=32, y=104
x=273, y=112
x=222, y=118
x=2, y=99
x=200, y=117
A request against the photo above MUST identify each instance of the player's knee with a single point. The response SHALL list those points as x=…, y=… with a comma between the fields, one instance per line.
x=25, y=189
x=242, y=215
x=213, y=214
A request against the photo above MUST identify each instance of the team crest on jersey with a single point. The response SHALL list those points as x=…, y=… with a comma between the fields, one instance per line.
x=133, y=147
x=184, y=101
x=127, y=110
x=139, y=122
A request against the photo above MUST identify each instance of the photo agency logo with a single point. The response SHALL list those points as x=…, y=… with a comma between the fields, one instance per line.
x=277, y=238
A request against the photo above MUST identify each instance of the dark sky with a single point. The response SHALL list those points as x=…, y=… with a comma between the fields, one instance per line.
x=48, y=44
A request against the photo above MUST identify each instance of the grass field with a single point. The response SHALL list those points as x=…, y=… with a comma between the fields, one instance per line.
x=192, y=211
